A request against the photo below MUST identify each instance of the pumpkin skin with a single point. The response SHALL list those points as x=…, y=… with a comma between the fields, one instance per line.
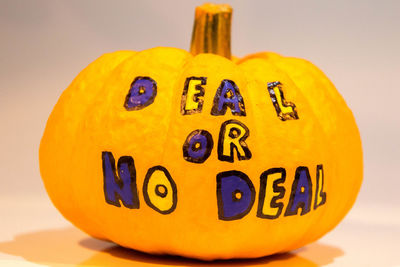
x=90, y=118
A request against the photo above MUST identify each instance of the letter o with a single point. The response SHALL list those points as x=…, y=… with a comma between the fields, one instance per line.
x=159, y=190
x=197, y=147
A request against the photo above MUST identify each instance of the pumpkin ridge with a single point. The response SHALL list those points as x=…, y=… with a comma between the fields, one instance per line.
x=251, y=60
x=310, y=233
x=332, y=95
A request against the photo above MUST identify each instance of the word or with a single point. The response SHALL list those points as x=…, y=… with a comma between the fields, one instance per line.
x=199, y=143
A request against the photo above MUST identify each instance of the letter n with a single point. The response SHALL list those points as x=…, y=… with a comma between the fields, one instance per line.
x=121, y=187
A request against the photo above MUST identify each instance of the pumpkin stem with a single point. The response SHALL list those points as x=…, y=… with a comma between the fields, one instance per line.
x=212, y=30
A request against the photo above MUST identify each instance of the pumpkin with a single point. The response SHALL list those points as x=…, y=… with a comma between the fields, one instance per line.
x=202, y=154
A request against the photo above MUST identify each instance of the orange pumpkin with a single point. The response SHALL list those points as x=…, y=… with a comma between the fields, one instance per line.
x=200, y=154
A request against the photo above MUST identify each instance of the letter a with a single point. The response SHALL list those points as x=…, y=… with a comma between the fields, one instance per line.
x=301, y=195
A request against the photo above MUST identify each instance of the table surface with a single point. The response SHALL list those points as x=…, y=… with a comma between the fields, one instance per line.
x=33, y=233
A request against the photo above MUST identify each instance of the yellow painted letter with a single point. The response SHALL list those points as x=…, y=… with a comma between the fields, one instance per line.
x=232, y=136
x=284, y=109
x=270, y=192
x=192, y=97
x=159, y=190
x=320, y=195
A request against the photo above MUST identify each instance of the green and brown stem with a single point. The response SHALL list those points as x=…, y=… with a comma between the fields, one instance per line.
x=212, y=30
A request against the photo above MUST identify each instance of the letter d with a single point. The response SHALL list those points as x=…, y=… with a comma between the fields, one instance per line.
x=235, y=195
